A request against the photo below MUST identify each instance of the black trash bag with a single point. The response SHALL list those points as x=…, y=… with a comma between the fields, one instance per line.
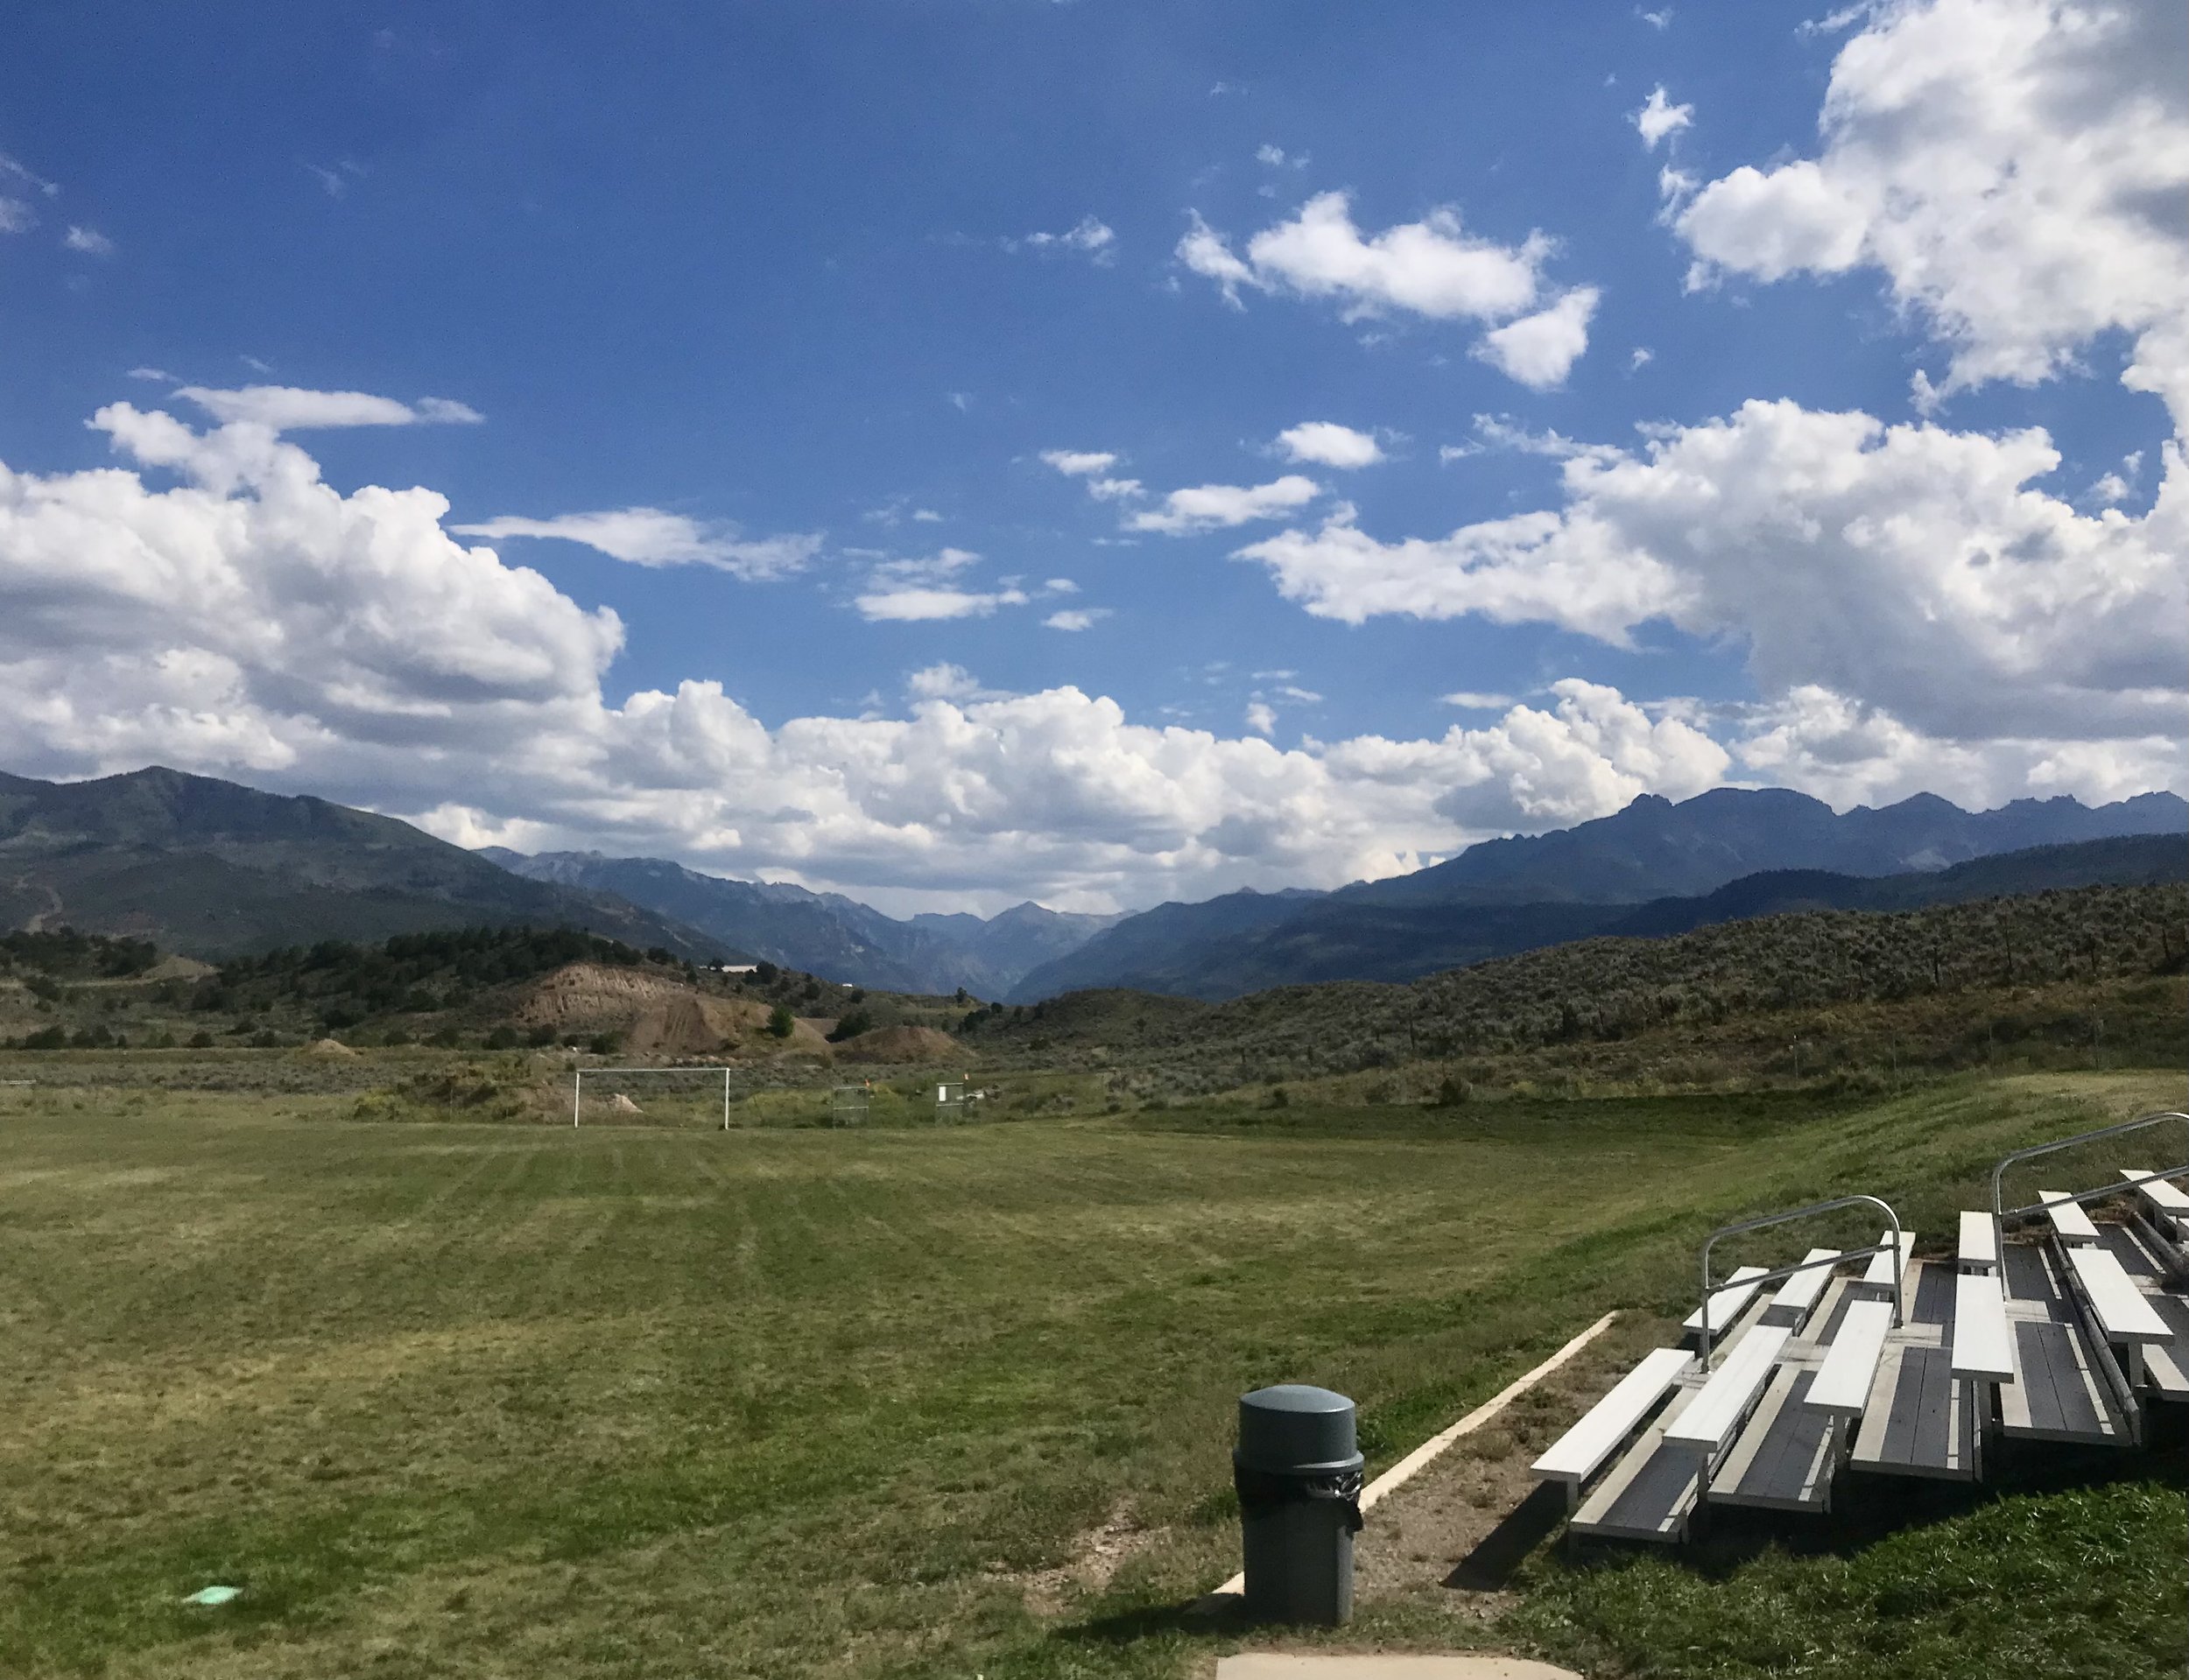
x=1261, y=1490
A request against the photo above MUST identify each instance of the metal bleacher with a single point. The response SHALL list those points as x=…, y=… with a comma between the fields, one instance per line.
x=2045, y=1324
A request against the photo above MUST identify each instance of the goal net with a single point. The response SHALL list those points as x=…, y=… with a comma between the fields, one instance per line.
x=683, y=1097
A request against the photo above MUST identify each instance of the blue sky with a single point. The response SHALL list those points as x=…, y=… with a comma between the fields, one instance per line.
x=833, y=309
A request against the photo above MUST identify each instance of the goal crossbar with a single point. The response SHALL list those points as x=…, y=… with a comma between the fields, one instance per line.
x=577, y=1084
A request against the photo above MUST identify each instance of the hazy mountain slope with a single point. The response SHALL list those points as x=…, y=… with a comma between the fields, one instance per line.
x=1340, y=937
x=1655, y=848
x=1160, y=950
x=211, y=870
x=827, y=933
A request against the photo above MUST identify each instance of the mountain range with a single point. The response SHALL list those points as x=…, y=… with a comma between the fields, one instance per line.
x=826, y=934
x=212, y=868
x=1507, y=895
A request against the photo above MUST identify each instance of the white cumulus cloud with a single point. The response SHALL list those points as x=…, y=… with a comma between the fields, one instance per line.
x=252, y=620
x=1210, y=507
x=1433, y=268
x=1910, y=567
x=1326, y=442
x=2018, y=171
x=1659, y=117
x=1539, y=350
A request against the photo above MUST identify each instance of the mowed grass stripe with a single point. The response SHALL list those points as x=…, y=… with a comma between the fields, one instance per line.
x=777, y=1402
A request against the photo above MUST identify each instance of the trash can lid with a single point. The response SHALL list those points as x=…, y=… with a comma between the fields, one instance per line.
x=1295, y=1426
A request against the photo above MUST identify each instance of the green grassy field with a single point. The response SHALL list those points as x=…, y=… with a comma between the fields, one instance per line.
x=481, y=1399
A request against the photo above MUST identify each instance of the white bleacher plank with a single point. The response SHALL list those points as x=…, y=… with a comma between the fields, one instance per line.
x=1978, y=1248
x=1723, y=1400
x=1576, y=1455
x=1880, y=1271
x=1798, y=1295
x=1850, y=1364
x=2070, y=1224
x=1982, y=1348
x=1727, y=1301
x=2118, y=1305
x=2169, y=1200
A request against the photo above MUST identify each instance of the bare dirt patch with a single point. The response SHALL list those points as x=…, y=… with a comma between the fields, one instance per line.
x=1097, y=1558
x=1459, y=1530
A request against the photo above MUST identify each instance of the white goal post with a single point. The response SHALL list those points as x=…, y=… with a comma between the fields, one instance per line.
x=577, y=1084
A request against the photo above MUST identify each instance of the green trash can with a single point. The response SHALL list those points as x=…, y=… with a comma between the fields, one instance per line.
x=1298, y=1469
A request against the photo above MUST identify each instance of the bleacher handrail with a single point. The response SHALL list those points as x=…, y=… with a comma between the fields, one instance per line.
x=1899, y=1259
x=2001, y=1213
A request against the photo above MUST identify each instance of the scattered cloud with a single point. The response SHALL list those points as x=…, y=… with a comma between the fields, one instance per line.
x=911, y=604
x=651, y=536
x=1642, y=358
x=952, y=683
x=1076, y=618
x=1433, y=268
x=1539, y=350
x=20, y=175
x=1659, y=117
x=1471, y=700
x=1210, y=507
x=89, y=241
x=1324, y=443
x=1088, y=237
x=1261, y=717
x=1093, y=465
x=1080, y=463
x=1501, y=432
x=157, y=375
x=335, y=180
x=17, y=213
x=929, y=589
x=1658, y=19
x=286, y=408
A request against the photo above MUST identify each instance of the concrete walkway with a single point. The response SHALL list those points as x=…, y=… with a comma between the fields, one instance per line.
x=1267, y=1665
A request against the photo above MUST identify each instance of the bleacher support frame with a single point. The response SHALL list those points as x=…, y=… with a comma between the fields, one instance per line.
x=1899, y=1313
x=2001, y=1213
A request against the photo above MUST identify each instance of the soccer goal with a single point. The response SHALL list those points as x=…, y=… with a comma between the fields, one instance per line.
x=651, y=1096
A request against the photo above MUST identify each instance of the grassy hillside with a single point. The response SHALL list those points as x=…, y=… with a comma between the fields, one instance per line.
x=2069, y=972
x=477, y=989
x=213, y=869
x=459, y=1400
x=1233, y=946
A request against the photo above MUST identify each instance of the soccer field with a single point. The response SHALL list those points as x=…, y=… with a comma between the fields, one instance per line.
x=512, y=1400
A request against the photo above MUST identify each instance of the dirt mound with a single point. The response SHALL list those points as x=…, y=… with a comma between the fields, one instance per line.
x=332, y=1049
x=901, y=1044
x=594, y=997
x=657, y=1016
x=687, y=1024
